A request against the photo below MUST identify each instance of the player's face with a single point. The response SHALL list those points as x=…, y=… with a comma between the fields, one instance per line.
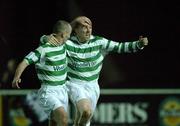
x=83, y=32
x=63, y=37
x=66, y=36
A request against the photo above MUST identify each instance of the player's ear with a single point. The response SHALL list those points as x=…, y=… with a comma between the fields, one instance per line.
x=63, y=35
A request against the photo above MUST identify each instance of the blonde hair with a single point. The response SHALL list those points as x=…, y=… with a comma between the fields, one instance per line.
x=80, y=21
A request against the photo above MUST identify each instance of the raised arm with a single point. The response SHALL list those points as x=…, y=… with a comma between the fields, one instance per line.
x=125, y=47
x=20, y=68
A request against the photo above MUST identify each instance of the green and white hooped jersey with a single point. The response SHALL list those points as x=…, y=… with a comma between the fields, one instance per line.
x=85, y=60
x=50, y=63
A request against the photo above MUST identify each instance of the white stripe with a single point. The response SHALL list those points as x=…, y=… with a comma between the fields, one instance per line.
x=32, y=56
x=126, y=47
x=57, y=57
x=52, y=49
x=83, y=55
x=112, y=44
x=85, y=45
x=78, y=64
x=50, y=68
x=134, y=47
x=119, y=48
x=86, y=74
x=52, y=78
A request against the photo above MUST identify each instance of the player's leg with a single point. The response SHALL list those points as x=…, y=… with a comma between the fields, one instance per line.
x=94, y=100
x=52, y=123
x=60, y=116
x=79, y=95
x=88, y=124
x=94, y=96
x=77, y=117
x=54, y=101
x=85, y=109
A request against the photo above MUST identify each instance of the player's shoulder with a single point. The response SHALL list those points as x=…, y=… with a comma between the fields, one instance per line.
x=94, y=38
x=69, y=41
x=97, y=37
x=45, y=45
x=42, y=47
x=72, y=40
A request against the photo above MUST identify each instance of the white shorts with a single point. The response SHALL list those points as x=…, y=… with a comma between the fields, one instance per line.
x=53, y=97
x=78, y=91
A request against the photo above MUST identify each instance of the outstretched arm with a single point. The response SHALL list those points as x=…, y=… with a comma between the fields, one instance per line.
x=125, y=47
x=21, y=67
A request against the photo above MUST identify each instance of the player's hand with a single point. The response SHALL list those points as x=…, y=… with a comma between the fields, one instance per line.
x=51, y=39
x=15, y=83
x=143, y=40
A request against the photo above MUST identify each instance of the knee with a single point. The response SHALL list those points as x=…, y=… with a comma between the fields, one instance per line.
x=86, y=114
x=85, y=117
x=61, y=118
x=64, y=120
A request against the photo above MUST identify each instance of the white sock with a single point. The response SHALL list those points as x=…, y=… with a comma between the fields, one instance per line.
x=88, y=124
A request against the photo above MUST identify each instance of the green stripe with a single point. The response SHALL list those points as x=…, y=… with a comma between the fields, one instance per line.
x=115, y=49
x=107, y=47
x=85, y=50
x=91, y=78
x=37, y=53
x=85, y=59
x=130, y=46
x=51, y=73
x=139, y=44
x=53, y=83
x=55, y=53
x=85, y=69
x=74, y=41
x=30, y=61
x=55, y=63
x=122, y=48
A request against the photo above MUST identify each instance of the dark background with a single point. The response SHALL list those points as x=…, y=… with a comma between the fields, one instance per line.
x=22, y=23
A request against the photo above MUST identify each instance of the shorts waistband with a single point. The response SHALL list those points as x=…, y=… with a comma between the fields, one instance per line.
x=52, y=86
